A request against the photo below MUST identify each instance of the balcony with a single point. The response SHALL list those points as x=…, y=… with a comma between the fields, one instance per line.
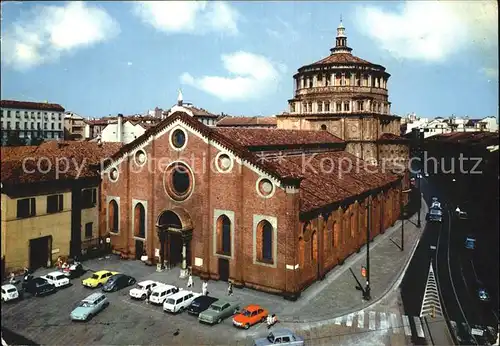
x=341, y=89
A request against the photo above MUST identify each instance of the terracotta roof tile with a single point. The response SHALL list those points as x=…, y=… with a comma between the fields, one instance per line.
x=342, y=58
x=31, y=105
x=252, y=137
x=472, y=138
x=329, y=178
x=247, y=121
x=80, y=155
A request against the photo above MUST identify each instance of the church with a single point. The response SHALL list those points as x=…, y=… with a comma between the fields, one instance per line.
x=270, y=209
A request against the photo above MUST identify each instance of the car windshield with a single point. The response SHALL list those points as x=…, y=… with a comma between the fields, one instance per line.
x=435, y=212
x=170, y=301
x=95, y=277
x=215, y=308
x=60, y=277
x=11, y=290
x=140, y=286
x=270, y=337
x=155, y=294
x=85, y=305
x=246, y=313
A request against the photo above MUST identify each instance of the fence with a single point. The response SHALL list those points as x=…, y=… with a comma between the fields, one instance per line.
x=95, y=247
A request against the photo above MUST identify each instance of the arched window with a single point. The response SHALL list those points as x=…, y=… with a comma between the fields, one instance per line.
x=139, y=221
x=113, y=215
x=314, y=247
x=224, y=235
x=265, y=238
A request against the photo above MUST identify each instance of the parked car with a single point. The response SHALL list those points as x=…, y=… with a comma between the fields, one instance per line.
x=200, y=304
x=280, y=336
x=9, y=293
x=470, y=242
x=98, y=278
x=57, y=279
x=117, y=282
x=483, y=294
x=74, y=271
x=249, y=316
x=89, y=307
x=38, y=286
x=161, y=292
x=435, y=215
x=140, y=291
x=218, y=311
x=179, y=301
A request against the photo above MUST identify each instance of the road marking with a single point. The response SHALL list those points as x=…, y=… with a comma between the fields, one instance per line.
x=384, y=324
x=433, y=247
x=406, y=325
x=349, y=320
x=418, y=325
x=361, y=319
x=396, y=323
x=372, y=322
x=338, y=320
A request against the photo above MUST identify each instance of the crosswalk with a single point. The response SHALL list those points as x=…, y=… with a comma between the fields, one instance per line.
x=391, y=322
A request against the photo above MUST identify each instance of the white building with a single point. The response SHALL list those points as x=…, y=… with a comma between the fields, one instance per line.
x=124, y=130
x=30, y=120
x=441, y=125
x=200, y=114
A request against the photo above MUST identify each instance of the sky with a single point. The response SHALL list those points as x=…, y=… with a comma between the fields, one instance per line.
x=101, y=58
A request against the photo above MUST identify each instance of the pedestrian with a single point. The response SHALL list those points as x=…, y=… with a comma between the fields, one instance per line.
x=190, y=281
x=230, y=289
x=148, y=294
x=204, y=288
x=12, y=278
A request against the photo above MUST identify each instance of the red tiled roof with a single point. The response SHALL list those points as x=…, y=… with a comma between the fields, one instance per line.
x=341, y=58
x=391, y=137
x=251, y=137
x=467, y=138
x=247, y=121
x=332, y=177
x=200, y=112
x=31, y=105
x=80, y=155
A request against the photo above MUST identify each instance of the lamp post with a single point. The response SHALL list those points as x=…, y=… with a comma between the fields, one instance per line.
x=366, y=292
x=419, y=200
x=401, y=206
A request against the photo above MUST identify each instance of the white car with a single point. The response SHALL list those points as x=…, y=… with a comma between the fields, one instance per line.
x=160, y=293
x=179, y=301
x=9, y=292
x=140, y=291
x=57, y=279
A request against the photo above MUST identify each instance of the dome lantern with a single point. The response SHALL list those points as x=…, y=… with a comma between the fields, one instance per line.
x=341, y=41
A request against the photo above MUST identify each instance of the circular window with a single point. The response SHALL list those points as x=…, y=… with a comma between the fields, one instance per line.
x=113, y=174
x=265, y=187
x=323, y=127
x=178, y=181
x=178, y=138
x=223, y=162
x=140, y=157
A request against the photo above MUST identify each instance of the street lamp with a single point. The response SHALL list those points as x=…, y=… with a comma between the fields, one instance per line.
x=419, y=200
x=366, y=292
x=401, y=206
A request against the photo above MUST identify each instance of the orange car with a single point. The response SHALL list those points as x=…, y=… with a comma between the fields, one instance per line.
x=249, y=316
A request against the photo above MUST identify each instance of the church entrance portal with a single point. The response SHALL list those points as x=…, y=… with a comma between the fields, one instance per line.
x=139, y=249
x=223, y=269
x=174, y=230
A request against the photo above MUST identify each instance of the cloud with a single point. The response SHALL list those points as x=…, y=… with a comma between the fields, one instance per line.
x=251, y=77
x=47, y=32
x=194, y=17
x=286, y=31
x=129, y=63
x=432, y=30
x=490, y=72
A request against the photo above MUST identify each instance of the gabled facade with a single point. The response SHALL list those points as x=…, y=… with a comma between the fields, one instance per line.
x=192, y=196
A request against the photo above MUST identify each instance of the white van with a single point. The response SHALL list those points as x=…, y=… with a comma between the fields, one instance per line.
x=160, y=293
x=179, y=301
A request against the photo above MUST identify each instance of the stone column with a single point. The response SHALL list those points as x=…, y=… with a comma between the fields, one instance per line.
x=342, y=79
x=302, y=82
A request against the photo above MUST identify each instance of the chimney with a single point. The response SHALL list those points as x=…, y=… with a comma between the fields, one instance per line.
x=119, y=129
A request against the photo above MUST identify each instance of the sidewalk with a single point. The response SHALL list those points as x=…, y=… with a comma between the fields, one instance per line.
x=336, y=295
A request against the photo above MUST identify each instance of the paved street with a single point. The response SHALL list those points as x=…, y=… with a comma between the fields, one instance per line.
x=327, y=311
x=455, y=273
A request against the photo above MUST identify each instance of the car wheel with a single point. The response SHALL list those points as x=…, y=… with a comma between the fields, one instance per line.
x=219, y=320
x=115, y=288
x=89, y=317
x=247, y=326
x=99, y=285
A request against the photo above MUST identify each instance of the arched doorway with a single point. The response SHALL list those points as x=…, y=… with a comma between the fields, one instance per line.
x=174, y=228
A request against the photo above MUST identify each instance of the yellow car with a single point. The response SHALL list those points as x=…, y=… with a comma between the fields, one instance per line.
x=98, y=278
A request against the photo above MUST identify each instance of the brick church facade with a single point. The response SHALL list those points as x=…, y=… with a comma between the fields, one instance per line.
x=270, y=209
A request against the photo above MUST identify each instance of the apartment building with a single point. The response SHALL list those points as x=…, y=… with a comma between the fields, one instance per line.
x=50, y=203
x=31, y=120
x=74, y=126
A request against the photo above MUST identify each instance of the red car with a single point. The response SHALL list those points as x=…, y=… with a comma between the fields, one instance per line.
x=249, y=316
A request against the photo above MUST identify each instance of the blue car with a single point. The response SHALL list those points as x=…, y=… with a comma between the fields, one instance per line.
x=470, y=243
x=89, y=307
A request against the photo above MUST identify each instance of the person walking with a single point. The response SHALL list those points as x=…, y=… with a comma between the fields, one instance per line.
x=190, y=281
x=204, y=288
x=230, y=289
